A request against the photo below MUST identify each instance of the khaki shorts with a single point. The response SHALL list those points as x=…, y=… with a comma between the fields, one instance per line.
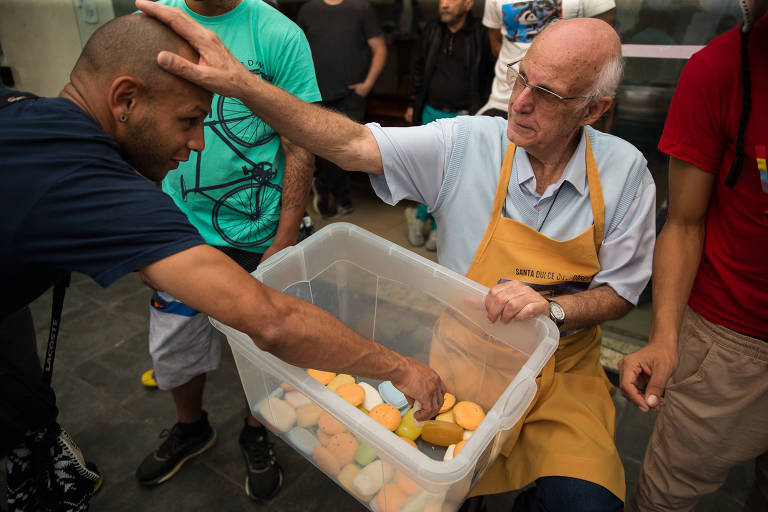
x=715, y=417
x=182, y=342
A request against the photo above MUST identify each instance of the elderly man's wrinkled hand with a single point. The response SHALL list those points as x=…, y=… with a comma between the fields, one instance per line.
x=217, y=69
x=422, y=383
x=513, y=300
x=643, y=375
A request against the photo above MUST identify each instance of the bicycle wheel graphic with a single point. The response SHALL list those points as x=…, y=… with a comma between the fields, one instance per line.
x=240, y=125
x=241, y=215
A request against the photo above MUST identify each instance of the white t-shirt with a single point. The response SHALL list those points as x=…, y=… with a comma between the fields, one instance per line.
x=520, y=21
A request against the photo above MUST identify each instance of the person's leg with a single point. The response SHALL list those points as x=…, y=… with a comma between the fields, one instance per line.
x=559, y=493
x=757, y=499
x=184, y=347
x=715, y=416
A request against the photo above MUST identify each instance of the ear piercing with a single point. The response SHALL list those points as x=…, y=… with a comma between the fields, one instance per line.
x=123, y=118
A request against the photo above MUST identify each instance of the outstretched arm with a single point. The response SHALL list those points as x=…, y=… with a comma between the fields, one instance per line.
x=644, y=374
x=329, y=135
x=293, y=330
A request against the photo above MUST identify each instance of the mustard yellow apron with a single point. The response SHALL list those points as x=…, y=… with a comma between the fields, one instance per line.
x=569, y=428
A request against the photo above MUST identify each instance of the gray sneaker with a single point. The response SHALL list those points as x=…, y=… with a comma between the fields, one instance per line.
x=415, y=227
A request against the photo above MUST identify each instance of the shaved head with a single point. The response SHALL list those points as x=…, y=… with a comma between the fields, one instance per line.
x=128, y=45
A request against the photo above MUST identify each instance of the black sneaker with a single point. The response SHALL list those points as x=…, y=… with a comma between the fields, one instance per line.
x=264, y=476
x=164, y=462
x=320, y=205
x=345, y=208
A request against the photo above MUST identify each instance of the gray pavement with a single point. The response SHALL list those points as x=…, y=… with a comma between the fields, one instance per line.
x=116, y=421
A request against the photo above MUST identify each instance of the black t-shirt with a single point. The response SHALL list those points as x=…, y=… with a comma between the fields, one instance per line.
x=338, y=36
x=69, y=202
x=449, y=87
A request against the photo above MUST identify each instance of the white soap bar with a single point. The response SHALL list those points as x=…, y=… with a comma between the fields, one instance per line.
x=372, y=397
x=372, y=478
x=416, y=504
x=449, y=453
x=467, y=434
x=296, y=399
x=417, y=408
x=278, y=413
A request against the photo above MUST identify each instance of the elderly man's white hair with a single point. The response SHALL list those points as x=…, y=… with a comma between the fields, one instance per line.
x=608, y=78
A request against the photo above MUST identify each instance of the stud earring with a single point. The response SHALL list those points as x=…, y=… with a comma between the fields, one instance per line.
x=123, y=118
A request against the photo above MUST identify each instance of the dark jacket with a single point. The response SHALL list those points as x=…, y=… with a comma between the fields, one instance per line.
x=480, y=65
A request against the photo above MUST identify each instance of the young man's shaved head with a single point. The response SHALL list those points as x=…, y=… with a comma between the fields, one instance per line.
x=128, y=45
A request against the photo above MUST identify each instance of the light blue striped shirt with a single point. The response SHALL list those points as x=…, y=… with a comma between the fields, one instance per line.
x=452, y=165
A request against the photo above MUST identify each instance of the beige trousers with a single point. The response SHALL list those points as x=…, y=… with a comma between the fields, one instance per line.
x=716, y=416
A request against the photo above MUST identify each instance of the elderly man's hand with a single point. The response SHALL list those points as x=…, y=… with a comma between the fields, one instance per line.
x=513, y=300
x=420, y=382
x=643, y=375
x=217, y=70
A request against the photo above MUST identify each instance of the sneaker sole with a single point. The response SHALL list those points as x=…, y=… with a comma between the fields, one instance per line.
x=274, y=493
x=177, y=467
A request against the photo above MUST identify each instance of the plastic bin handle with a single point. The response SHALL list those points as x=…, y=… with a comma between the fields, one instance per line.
x=523, y=393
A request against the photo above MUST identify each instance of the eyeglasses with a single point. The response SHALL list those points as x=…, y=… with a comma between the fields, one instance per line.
x=541, y=95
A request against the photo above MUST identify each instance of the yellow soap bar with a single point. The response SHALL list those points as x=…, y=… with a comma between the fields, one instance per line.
x=441, y=433
x=408, y=427
x=340, y=380
x=446, y=416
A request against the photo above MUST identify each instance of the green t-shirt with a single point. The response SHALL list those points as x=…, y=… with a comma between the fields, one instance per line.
x=231, y=191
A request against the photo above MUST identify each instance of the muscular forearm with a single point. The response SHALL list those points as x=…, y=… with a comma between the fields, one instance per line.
x=378, y=59
x=592, y=307
x=297, y=180
x=675, y=263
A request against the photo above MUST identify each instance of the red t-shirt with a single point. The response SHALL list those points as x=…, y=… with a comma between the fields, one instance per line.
x=731, y=286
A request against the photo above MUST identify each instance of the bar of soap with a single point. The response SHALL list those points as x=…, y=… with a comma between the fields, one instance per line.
x=405, y=484
x=467, y=434
x=387, y=415
x=448, y=402
x=407, y=427
x=296, y=399
x=468, y=415
x=352, y=393
x=321, y=376
x=372, y=478
x=304, y=440
x=278, y=413
x=346, y=476
x=372, y=397
x=364, y=455
x=340, y=380
x=446, y=416
x=323, y=437
x=307, y=415
x=458, y=448
x=416, y=504
x=329, y=424
x=343, y=446
x=410, y=442
x=391, y=498
x=441, y=433
x=448, y=455
x=390, y=394
x=325, y=460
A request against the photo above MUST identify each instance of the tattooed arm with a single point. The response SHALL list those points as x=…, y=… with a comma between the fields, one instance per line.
x=297, y=179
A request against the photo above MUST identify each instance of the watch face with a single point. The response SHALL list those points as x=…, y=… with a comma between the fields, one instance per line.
x=556, y=312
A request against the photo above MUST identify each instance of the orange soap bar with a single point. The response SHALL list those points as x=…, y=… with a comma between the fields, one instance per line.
x=323, y=377
x=391, y=498
x=325, y=460
x=343, y=446
x=329, y=424
x=459, y=446
x=441, y=433
x=352, y=393
x=387, y=415
x=409, y=441
x=468, y=415
x=448, y=402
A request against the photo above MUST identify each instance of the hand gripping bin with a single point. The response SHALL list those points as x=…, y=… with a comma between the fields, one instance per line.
x=419, y=309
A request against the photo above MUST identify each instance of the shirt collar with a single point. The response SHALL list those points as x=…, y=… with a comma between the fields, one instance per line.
x=575, y=171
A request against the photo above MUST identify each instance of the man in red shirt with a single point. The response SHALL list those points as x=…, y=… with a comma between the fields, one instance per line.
x=712, y=254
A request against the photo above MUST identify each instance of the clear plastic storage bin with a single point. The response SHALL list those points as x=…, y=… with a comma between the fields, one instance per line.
x=419, y=309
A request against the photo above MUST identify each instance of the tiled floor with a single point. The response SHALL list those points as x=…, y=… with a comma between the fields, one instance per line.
x=103, y=351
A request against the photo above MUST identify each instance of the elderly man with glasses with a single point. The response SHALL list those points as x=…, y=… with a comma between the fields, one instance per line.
x=554, y=216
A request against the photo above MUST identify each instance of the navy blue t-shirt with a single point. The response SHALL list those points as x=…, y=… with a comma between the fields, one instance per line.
x=69, y=202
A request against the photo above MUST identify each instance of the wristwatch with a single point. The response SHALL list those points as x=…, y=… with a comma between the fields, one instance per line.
x=556, y=313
